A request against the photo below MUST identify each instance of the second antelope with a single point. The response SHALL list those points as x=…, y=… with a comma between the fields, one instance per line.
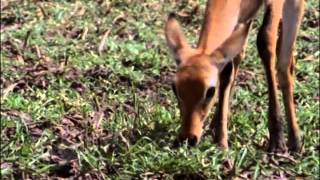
x=209, y=69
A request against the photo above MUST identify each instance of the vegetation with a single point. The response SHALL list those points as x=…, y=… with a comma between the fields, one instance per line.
x=85, y=92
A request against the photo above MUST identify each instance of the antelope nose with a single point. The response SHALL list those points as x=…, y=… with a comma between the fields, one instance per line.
x=192, y=140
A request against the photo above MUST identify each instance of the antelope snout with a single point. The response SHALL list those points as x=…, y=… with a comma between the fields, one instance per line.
x=191, y=129
x=191, y=139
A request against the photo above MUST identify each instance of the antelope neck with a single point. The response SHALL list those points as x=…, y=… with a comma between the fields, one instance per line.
x=220, y=19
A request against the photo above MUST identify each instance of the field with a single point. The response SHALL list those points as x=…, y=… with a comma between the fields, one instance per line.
x=86, y=93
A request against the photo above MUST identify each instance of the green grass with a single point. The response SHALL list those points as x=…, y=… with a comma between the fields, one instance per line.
x=49, y=118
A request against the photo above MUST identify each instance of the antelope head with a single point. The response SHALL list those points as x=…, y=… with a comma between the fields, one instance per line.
x=197, y=78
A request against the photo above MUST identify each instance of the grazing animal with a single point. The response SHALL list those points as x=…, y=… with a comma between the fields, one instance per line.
x=209, y=70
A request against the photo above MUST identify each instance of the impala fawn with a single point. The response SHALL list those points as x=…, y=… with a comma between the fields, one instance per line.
x=209, y=69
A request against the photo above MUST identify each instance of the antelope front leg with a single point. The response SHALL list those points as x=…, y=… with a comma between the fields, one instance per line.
x=220, y=120
x=293, y=11
x=266, y=42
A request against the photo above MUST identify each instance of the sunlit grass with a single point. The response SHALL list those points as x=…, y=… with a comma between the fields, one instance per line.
x=129, y=85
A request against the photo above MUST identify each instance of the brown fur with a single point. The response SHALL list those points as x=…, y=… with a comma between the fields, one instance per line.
x=213, y=65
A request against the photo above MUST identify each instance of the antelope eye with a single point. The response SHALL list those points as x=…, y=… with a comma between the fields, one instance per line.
x=174, y=89
x=210, y=92
x=178, y=61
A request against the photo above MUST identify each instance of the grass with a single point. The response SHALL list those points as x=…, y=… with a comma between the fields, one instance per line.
x=86, y=93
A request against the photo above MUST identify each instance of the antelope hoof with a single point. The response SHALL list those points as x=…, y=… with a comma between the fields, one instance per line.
x=294, y=144
x=221, y=142
x=277, y=146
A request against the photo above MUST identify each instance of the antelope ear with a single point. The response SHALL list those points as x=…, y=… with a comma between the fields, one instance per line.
x=234, y=44
x=174, y=35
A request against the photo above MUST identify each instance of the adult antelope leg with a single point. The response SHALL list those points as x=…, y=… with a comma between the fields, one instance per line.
x=266, y=42
x=220, y=120
x=292, y=14
x=236, y=63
